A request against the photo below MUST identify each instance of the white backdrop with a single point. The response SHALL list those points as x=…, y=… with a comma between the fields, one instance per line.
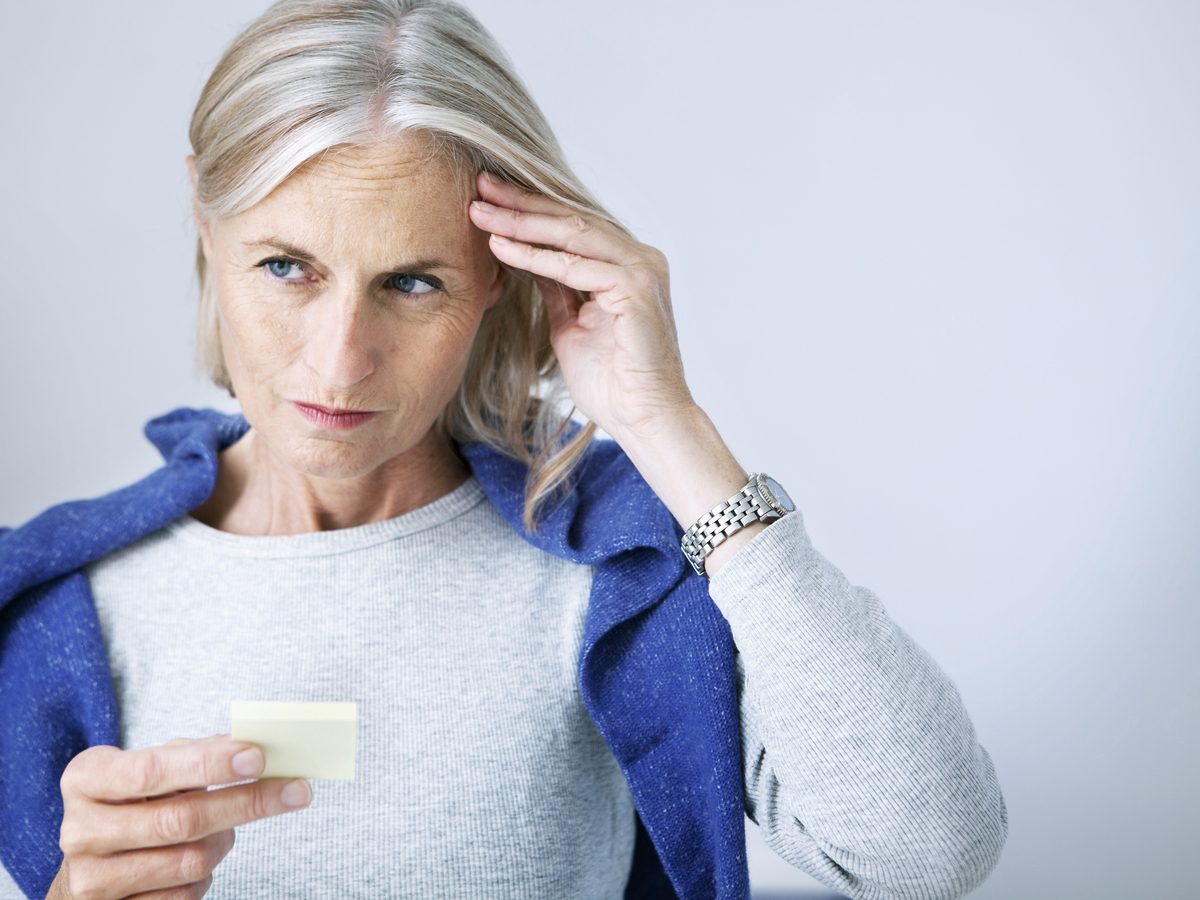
x=934, y=267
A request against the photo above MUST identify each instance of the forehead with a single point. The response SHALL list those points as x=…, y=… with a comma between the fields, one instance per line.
x=394, y=169
x=378, y=193
x=401, y=173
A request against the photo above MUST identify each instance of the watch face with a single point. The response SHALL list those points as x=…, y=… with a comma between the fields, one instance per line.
x=780, y=495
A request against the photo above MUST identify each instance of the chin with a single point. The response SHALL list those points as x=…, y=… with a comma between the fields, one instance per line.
x=325, y=457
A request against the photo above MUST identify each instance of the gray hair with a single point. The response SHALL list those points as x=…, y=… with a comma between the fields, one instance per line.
x=310, y=75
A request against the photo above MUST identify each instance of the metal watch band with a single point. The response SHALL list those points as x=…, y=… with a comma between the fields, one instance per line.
x=740, y=510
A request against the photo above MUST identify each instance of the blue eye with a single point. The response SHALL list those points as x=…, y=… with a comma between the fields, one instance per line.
x=284, y=263
x=405, y=277
x=268, y=263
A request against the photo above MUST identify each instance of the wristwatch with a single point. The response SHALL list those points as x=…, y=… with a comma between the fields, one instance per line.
x=763, y=499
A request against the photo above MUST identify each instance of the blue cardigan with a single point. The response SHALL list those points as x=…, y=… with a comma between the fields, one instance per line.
x=656, y=667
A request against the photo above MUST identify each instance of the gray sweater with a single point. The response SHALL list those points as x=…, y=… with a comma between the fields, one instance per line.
x=479, y=771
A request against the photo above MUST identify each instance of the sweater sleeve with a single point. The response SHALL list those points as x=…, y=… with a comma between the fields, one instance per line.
x=861, y=765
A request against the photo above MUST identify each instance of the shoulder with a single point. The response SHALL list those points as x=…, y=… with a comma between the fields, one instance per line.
x=67, y=536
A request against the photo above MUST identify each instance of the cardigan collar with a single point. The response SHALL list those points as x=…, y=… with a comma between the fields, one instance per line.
x=580, y=528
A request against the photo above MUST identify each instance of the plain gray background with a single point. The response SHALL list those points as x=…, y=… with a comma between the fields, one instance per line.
x=934, y=267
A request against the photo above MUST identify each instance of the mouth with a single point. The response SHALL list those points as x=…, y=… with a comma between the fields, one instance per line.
x=338, y=419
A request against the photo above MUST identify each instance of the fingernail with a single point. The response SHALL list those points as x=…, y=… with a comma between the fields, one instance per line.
x=296, y=793
x=483, y=206
x=248, y=762
x=500, y=239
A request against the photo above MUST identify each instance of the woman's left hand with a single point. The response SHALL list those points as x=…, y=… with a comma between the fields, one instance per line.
x=619, y=351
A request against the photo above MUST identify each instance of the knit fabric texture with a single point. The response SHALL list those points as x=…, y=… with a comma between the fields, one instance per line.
x=478, y=772
x=656, y=664
x=777, y=689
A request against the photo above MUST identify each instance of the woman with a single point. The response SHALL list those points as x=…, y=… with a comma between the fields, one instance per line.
x=399, y=278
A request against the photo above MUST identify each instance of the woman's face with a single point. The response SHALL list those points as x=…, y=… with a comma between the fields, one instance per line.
x=359, y=283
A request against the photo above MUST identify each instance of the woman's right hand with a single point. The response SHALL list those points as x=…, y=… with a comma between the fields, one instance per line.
x=142, y=822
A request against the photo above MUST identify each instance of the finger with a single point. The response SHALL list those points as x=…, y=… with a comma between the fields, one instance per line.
x=172, y=743
x=503, y=192
x=573, y=232
x=106, y=773
x=172, y=794
x=154, y=870
x=211, y=737
x=109, y=829
x=580, y=272
x=199, y=889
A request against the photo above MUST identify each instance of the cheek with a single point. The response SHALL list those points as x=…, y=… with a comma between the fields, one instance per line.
x=434, y=351
x=255, y=331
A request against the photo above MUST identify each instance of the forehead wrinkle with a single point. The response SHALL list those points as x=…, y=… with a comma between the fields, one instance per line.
x=363, y=168
x=384, y=203
x=420, y=203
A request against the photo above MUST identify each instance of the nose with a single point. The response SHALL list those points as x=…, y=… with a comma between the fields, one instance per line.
x=340, y=348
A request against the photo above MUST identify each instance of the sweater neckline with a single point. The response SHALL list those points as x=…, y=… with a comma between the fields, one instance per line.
x=339, y=540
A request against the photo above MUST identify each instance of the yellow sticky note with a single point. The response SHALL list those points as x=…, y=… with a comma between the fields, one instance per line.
x=300, y=740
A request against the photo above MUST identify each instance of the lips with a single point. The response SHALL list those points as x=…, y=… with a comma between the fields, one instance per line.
x=336, y=419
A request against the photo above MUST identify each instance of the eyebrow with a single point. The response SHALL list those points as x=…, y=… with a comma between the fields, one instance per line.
x=419, y=265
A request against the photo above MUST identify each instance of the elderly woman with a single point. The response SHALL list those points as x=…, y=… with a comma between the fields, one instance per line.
x=580, y=662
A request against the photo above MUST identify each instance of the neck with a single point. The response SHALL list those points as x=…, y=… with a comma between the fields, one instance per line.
x=255, y=494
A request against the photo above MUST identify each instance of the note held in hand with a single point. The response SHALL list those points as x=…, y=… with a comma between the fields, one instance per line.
x=300, y=740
